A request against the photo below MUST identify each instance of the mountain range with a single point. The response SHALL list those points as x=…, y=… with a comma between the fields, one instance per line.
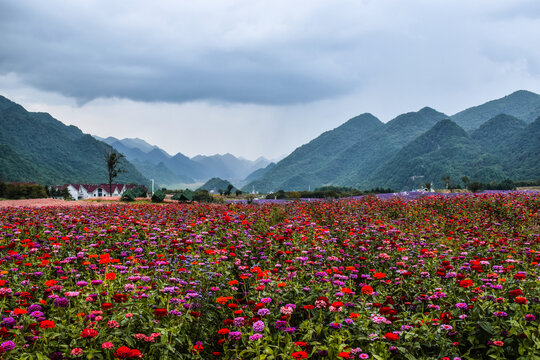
x=489, y=142
x=167, y=170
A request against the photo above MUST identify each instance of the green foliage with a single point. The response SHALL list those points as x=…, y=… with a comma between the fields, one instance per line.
x=503, y=185
x=202, y=196
x=128, y=196
x=158, y=196
x=139, y=192
x=183, y=195
x=22, y=191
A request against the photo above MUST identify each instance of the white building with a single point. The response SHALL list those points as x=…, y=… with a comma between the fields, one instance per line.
x=85, y=191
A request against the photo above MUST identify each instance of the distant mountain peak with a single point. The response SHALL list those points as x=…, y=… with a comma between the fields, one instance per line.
x=523, y=104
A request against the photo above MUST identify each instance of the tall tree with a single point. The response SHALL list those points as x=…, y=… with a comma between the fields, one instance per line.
x=114, y=168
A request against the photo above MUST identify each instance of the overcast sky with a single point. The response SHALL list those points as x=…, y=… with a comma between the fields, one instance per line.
x=259, y=77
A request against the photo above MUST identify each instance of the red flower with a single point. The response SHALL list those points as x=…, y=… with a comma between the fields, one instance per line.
x=122, y=352
x=120, y=298
x=47, y=324
x=106, y=306
x=160, y=312
x=299, y=355
x=466, y=283
x=520, y=300
x=344, y=354
x=89, y=333
x=134, y=353
x=367, y=290
x=391, y=336
x=110, y=276
x=515, y=292
x=197, y=348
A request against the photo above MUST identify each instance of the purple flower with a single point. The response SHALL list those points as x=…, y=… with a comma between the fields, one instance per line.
x=61, y=302
x=530, y=317
x=281, y=325
x=235, y=335
x=255, y=337
x=266, y=300
x=263, y=312
x=8, y=322
x=238, y=322
x=462, y=306
x=34, y=307
x=290, y=330
x=8, y=345
x=335, y=325
x=258, y=326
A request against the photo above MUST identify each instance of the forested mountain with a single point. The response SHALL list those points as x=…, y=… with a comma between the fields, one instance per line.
x=217, y=185
x=445, y=150
x=493, y=133
x=35, y=147
x=522, y=104
x=402, y=153
x=346, y=155
x=520, y=154
x=304, y=167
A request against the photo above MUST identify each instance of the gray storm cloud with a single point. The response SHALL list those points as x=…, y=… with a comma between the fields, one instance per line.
x=254, y=52
x=278, y=72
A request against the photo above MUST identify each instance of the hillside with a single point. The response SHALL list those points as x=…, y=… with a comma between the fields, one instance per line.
x=377, y=155
x=520, y=154
x=521, y=104
x=56, y=154
x=446, y=149
x=498, y=130
x=368, y=156
x=302, y=168
x=346, y=155
x=216, y=185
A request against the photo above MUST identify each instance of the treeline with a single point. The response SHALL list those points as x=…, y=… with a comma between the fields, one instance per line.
x=14, y=191
x=326, y=192
x=507, y=184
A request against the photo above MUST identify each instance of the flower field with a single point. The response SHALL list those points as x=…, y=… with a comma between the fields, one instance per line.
x=437, y=277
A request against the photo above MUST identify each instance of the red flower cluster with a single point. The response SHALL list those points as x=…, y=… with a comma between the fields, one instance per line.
x=123, y=352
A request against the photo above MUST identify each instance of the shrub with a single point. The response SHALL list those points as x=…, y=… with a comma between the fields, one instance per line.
x=128, y=195
x=158, y=196
x=139, y=192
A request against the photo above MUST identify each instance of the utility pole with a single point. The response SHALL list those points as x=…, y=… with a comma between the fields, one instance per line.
x=152, y=186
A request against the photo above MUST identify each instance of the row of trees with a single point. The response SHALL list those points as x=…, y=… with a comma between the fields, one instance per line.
x=325, y=192
x=22, y=191
x=475, y=186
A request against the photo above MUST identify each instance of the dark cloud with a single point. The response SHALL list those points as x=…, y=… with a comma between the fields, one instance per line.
x=263, y=52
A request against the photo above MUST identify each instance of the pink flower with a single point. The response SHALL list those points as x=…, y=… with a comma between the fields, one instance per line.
x=113, y=324
x=76, y=352
x=107, y=345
